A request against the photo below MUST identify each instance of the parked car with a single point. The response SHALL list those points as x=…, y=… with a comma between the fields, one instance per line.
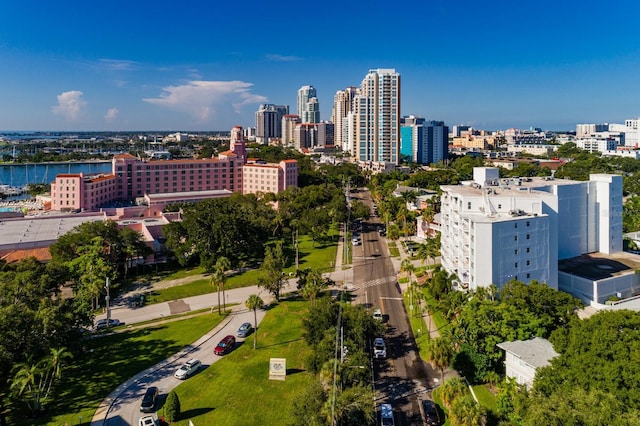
x=386, y=415
x=430, y=414
x=379, y=348
x=356, y=241
x=149, y=399
x=244, y=330
x=225, y=345
x=102, y=324
x=189, y=368
x=147, y=421
x=377, y=315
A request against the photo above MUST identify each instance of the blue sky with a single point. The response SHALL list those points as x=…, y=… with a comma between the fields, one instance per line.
x=207, y=65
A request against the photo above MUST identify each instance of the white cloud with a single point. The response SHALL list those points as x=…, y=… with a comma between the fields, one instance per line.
x=201, y=98
x=111, y=114
x=69, y=104
x=282, y=58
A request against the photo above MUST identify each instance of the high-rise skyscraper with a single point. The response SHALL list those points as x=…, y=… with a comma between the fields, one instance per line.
x=269, y=122
x=377, y=115
x=342, y=102
x=308, y=106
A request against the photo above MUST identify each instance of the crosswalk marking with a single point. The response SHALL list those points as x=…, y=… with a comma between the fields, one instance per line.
x=376, y=282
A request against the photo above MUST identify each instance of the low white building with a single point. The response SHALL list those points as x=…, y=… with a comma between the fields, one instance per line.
x=523, y=358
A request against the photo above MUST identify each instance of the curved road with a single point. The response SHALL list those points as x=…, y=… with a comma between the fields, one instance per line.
x=125, y=408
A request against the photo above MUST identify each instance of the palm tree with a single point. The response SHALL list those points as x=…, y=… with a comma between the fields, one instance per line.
x=222, y=265
x=465, y=411
x=253, y=303
x=314, y=283
x=452, y=389
x=440, y=352
x=217, y=278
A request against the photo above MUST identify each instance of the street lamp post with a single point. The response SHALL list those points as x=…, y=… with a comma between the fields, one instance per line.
x=106, y=299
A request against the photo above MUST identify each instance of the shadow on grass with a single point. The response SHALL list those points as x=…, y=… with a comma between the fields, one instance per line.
x=292, y=371
x=195, y=412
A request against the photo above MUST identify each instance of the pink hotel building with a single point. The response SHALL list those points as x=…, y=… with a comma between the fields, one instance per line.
x=133, y=178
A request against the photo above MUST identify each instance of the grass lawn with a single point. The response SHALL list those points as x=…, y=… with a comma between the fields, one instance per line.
x=110, y=360
x=237, y=390
x=321, y=257
x=485, y=397
x=440, y=321
x=421, y=336
x=393, y=249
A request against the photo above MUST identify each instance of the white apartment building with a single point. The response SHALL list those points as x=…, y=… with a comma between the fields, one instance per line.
x=494, y=230
x=596, y=144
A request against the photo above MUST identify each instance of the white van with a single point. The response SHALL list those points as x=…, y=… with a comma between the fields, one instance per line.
x=386, y=415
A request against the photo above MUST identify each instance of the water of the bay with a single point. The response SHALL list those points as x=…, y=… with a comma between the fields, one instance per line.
x=19, y=175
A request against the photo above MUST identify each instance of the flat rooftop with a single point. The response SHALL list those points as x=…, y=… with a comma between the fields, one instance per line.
x=598, y=266
x=36, y=231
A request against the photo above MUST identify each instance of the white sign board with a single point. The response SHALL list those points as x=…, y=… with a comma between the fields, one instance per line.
x=277, y=369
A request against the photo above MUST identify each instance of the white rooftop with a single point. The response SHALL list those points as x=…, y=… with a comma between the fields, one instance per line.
x=40, y=231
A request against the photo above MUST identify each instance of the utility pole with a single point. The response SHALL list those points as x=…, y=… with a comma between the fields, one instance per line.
x=296, y=244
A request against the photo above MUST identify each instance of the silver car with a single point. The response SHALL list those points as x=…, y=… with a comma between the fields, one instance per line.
x=244, y=330
x=188, y=369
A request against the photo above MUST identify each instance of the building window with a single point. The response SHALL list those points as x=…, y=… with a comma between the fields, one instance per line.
x=528, y=262
x=515, y=251
x=528, y=275
x=515, y=225
x=516, y=265
x=528, y=223
x=515, y=238
x=469, y=205
x=527, y=236
x=528, y=249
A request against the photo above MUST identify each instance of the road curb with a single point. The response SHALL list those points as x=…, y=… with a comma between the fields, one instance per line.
x=101, y=413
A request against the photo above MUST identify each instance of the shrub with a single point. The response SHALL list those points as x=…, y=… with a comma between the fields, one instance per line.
x=172, y=410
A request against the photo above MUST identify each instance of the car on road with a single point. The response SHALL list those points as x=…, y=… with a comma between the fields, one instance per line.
x=225, y=345
x=189, y=368
x=430, y=414
x=386, y=415
x=147, y=421
x=103, y=323
x=356, y=241
x=244, y=330
x=379, y=348
x=377, y=315
x=149, y=400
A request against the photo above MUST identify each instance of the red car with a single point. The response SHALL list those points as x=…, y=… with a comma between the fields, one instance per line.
x=225, y=345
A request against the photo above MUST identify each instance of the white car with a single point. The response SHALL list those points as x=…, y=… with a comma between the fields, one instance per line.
x=147, y=421
x=356, y=241
x=377, y=315
x=379, y=348
x=188, y=369
x=103, y=323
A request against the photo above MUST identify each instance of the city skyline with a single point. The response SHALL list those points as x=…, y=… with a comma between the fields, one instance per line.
x=123, y=66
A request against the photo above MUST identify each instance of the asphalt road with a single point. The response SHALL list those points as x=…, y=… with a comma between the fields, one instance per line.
x=403, y=378
x=125, y=409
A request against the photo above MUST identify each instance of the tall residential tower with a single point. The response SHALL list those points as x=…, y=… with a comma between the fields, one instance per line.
x=308, y=106
x=376, y=111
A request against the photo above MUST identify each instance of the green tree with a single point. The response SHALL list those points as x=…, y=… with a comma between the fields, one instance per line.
x=34, y=382
x=440, y=353
x=219, y=278
x=272, y=278
x=172, y=410
x=313, y=285
x=253, y=303
x=306, y=409
x=465, y=411
x=452, y=389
